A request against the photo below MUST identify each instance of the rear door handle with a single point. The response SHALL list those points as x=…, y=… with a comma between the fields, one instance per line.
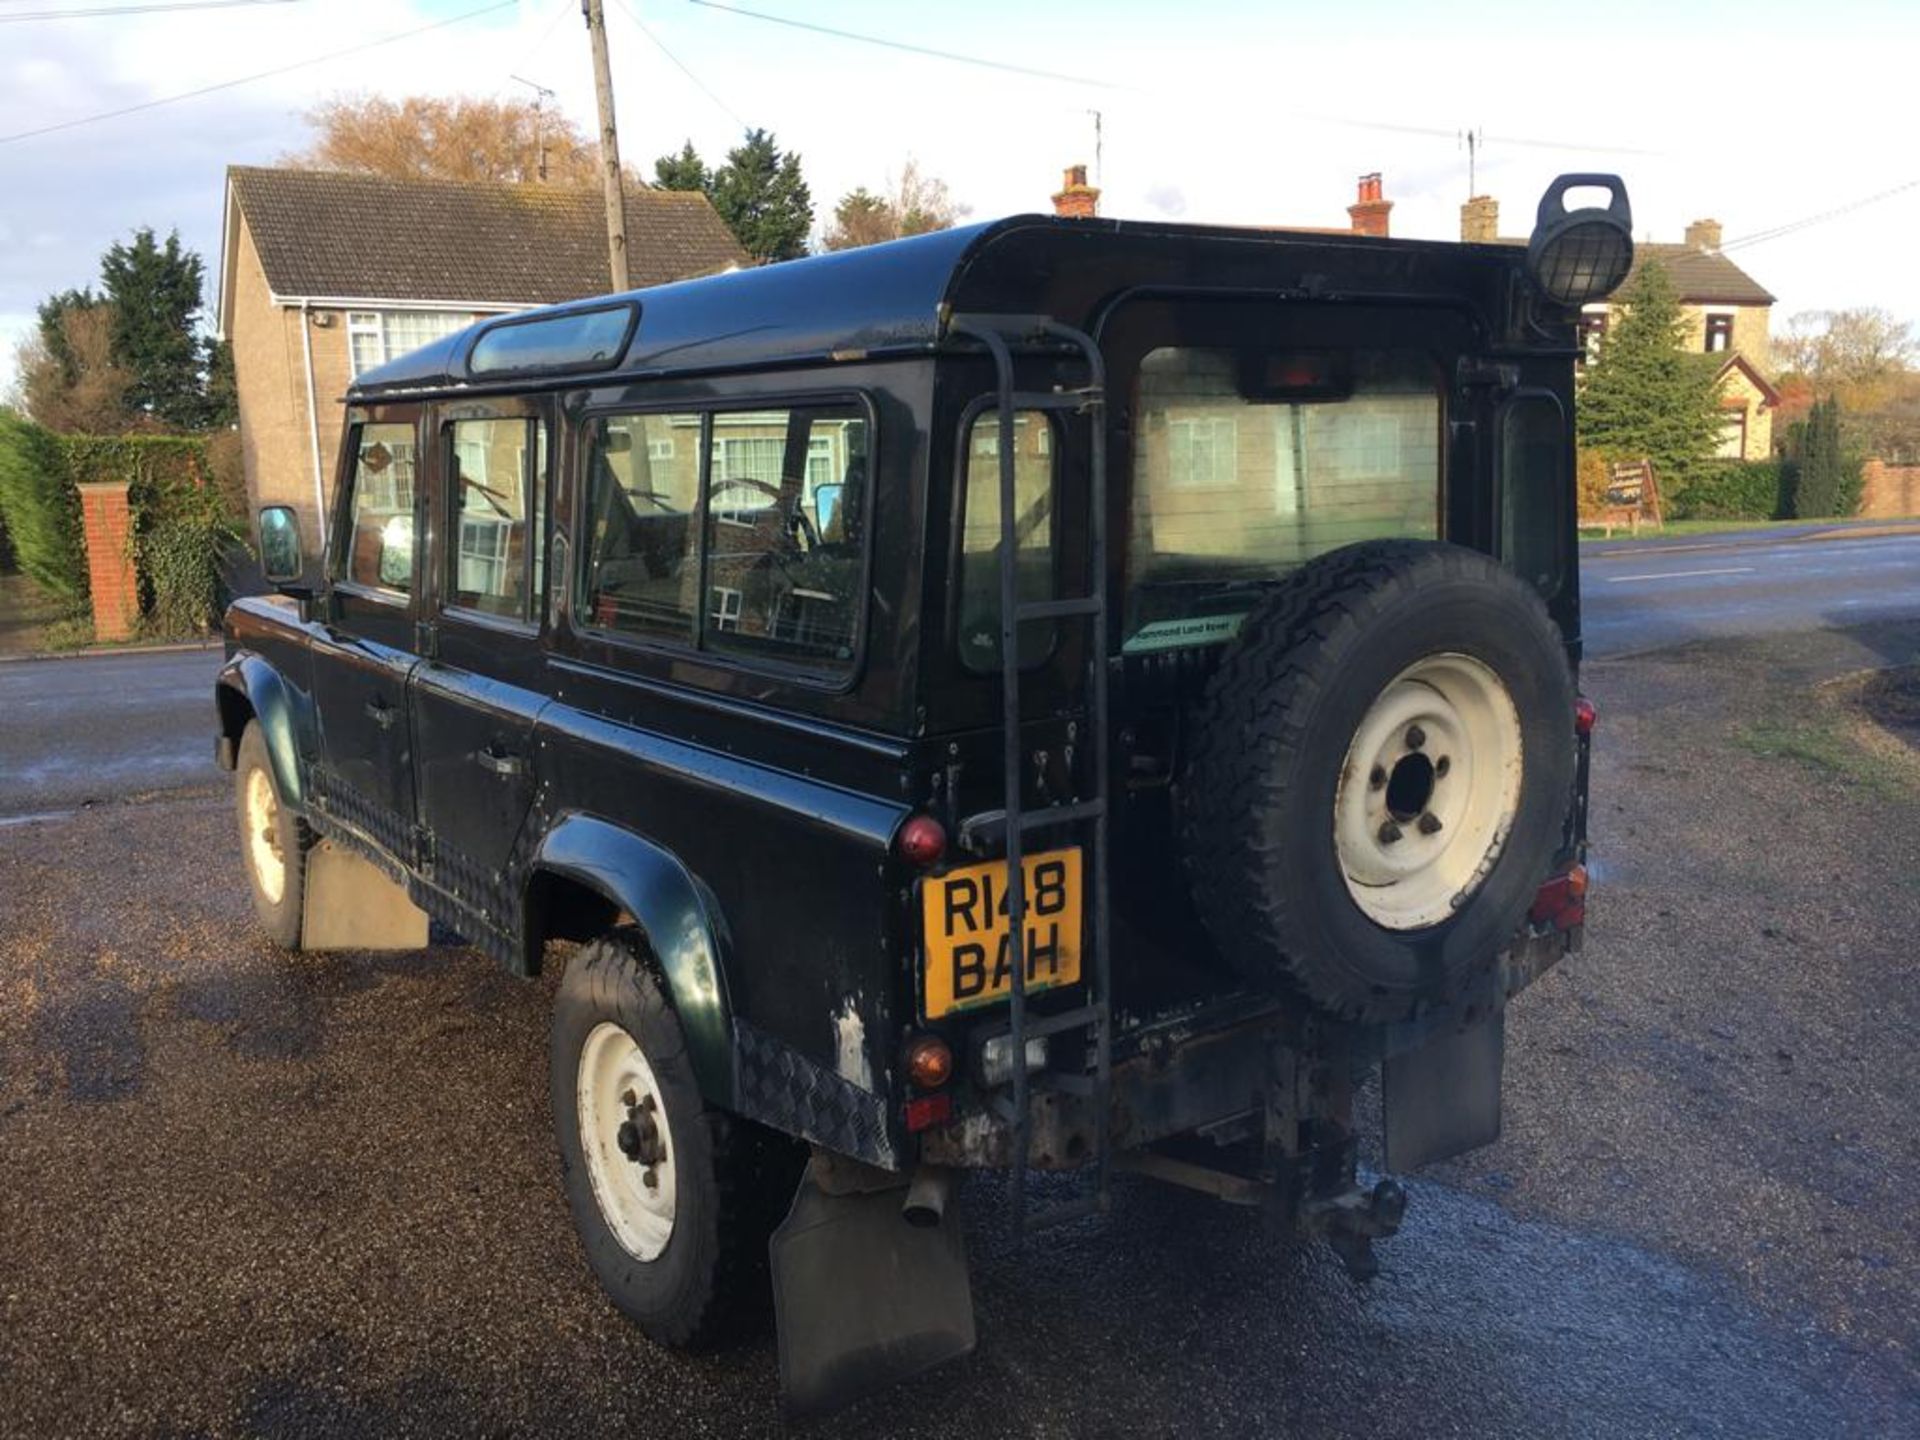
x=381, y=713
x=502, y=763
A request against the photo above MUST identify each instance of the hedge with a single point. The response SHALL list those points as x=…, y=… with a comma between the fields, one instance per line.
x=1732, y=490
x=184, y=523
x=41, y=509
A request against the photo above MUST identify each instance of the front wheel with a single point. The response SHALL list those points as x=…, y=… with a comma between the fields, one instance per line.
x=673, y=1200
x=273, y=841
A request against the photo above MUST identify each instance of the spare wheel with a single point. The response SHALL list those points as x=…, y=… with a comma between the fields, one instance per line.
x=1378, y=776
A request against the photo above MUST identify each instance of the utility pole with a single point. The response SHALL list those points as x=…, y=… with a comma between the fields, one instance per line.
x=609, y=144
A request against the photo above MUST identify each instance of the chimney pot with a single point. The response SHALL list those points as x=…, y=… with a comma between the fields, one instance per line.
x=1369, y=212
x=1077, y=198
x=1703, y=235
x=1480, y=220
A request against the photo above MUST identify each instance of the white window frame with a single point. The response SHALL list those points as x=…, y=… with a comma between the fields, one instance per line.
x=1216, y=429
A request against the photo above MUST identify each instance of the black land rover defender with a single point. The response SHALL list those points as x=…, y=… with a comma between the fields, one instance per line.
x=750, y=633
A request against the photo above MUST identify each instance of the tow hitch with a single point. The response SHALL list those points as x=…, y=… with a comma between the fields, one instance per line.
x=1352, y=1221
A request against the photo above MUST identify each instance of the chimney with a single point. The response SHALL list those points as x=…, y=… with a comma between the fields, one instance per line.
x=1480, y=220
x=1369, y=212
x=1704, y=235
x=1077, y=198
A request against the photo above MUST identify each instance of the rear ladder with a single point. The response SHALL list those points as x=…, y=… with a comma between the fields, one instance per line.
x=1087, y=813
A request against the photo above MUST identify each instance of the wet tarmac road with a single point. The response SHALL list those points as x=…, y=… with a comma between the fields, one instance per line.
x=100, y=727
x=243, y=1192
x=1645, y=596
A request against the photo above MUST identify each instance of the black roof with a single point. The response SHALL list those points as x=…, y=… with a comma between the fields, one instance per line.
x=895, y=298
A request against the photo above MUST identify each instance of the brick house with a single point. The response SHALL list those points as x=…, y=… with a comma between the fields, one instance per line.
x=323, y=276
x=1726, y=310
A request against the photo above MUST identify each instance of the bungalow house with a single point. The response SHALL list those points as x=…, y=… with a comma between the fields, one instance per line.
x=1726, y=313
x=323, y=276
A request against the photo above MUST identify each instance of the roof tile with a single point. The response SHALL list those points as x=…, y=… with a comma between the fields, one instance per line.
x=322, y=234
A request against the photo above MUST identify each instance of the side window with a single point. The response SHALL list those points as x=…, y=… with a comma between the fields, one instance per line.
x=639, y=570
x=783, y=568
x=980, y=536
x=380, y=542
x=1534, y=492
x=496, y=473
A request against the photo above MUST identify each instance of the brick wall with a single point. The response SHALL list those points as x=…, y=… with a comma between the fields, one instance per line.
x=1889, y=491
x=106, y=521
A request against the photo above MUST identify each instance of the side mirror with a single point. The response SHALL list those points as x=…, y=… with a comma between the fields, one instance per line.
x=280, y=551
x=826, y=508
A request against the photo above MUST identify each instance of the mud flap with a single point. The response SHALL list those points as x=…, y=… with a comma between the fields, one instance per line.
x=862, y=1298
x=350, y=904
x=1443, y=1097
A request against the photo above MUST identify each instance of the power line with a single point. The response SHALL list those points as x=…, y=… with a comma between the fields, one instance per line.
x=160, y=9
x=680, y=65
x=1351, y=121
x=1760, y=237
x=912, y=49
x=287, y=69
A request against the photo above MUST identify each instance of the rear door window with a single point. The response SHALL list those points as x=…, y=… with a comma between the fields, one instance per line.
x=496, y=469
x=981, y=536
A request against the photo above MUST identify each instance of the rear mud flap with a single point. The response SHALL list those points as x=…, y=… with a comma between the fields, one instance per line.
x=351, y=904
x=863, y=1299
x=1443, y=1098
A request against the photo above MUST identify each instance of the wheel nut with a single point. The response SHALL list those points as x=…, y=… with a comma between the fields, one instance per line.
x=1429, y=824
x=1389, y=832
x=1416, y=737
x=1442, y=765
x=1377, y=780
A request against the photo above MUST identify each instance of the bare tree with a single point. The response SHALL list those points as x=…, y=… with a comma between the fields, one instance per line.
x=460, y=137
x=913, y=205
x=1846, y=347
x=86, y=393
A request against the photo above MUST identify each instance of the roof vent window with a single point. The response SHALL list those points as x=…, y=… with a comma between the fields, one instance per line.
x=560, y=344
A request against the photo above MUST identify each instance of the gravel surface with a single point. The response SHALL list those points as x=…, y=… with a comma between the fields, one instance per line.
x=249, y=1193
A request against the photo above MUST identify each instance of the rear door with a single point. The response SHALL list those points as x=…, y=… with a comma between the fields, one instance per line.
x=475, y=697
x=363, y=654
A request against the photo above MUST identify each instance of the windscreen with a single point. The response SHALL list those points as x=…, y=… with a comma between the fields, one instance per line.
x=1247, y=463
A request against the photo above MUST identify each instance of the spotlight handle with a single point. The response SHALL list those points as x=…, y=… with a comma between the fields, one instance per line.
x=1553, y=204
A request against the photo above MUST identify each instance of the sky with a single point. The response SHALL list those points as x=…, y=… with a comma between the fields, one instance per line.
x=1758, y=114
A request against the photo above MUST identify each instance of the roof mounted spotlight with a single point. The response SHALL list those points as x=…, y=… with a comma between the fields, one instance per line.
x=1579, y=256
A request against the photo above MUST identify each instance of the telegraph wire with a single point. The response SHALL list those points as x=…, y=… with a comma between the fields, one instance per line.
x=101, y=11
x=680, y=65
x=1760, y=237
x=287, y=69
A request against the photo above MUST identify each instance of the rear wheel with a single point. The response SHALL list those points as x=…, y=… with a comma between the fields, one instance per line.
x=273, y=841
x=673, y=1200
x=1379, y=776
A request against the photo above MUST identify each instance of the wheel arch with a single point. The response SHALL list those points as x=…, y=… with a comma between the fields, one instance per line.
x=249, y=688
x=587, y=875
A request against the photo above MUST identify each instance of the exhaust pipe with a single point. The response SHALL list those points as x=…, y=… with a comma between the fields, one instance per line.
x=927, y=1196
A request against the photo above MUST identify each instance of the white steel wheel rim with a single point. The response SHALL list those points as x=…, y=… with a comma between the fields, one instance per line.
x=1429, y=791
x=616, y=1087
x=263, y=836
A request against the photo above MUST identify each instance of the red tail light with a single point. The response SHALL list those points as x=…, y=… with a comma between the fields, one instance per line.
x=1584, y=716
x=921, y=841
x=927, y=1111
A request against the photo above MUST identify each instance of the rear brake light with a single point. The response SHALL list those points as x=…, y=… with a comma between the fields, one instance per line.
x=928, y=1111
x=921, y=841
x=1584, y=716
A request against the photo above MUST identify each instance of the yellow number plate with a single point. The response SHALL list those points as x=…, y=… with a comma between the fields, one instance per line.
x=964, y=926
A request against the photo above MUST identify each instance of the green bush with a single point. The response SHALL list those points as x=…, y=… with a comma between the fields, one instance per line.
x=41, y=508
x=1732, y=490
x=1824, y=479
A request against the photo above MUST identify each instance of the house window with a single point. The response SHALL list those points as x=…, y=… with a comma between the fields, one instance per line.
x=1591, y=331
x=376, y=336
x=1719, y=333
x=725, y=613
x=1733, y=435
x=1202, y=451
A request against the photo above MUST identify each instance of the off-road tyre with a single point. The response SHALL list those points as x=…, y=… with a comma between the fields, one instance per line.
x=1270, y=737
x=281, y=830
x=734, y=1180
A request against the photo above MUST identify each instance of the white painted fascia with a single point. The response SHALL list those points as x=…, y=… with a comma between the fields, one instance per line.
x=368, y=302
